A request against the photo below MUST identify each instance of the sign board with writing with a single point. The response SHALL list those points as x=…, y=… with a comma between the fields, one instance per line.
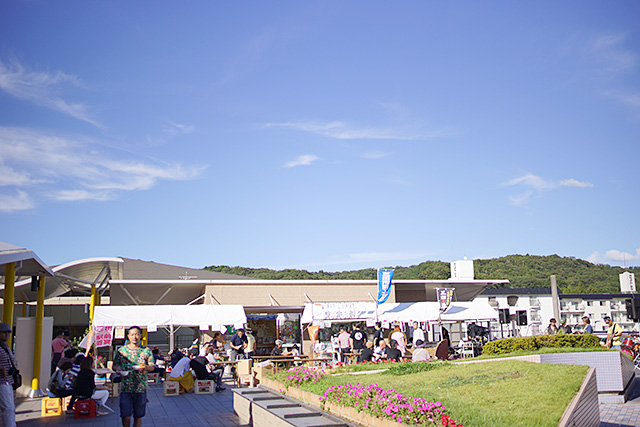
x=384, y=285
x=444, y=296
x=103, y=336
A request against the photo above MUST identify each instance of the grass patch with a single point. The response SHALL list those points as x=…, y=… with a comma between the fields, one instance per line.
x=543, y=350
x=510, y=393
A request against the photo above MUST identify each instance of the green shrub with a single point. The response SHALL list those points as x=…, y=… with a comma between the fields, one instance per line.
x=409, y=368
x=509, y=345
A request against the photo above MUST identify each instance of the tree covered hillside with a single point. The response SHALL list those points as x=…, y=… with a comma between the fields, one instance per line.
x=523, y=271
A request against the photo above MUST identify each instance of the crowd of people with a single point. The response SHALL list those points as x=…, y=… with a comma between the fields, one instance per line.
x=355, y=344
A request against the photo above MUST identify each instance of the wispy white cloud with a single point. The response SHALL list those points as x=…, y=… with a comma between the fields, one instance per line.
x=304, y=160
x=77, y=195
x=19, y=201
x=342, y=130
x=42, y=88
x=9, y=176
x=574, y=183
x=613, y=256
x=75, y=168
x=178, y=128
x=374, y=155
x=609, y=51
x=536, y=185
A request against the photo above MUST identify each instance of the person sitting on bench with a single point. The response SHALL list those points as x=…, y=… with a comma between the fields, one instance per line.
x=199, y=365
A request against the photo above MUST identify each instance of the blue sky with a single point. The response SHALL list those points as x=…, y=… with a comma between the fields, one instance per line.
x=320, y=135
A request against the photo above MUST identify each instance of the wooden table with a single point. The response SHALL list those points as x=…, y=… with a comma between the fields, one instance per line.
x=261, y=358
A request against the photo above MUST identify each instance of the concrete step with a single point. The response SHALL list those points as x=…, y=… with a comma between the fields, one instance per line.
x=261, y=407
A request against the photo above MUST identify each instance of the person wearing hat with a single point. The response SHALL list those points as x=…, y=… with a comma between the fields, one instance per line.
x=277, y=350
x=7, y=363
x=613, y=335
x=238, y=343
x=552, y=329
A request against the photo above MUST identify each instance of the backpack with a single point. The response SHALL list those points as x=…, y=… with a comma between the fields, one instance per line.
x=56, y=383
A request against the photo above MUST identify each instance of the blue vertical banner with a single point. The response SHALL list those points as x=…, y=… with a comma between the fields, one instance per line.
x=384, y=285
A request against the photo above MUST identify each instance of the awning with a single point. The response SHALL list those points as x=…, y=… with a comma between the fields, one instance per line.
x=29, y=264
x=205, y=316
x=398, y=312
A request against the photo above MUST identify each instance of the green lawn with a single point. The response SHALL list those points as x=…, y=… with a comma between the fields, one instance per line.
x=543, y=350
x=508, y=393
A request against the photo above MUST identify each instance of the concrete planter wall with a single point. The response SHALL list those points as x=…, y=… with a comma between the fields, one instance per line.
x=583, y=410
x=348, y=413
x=614, y=370
x=352, y=414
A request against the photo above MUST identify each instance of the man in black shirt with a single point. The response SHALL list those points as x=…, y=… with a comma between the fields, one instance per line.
x=378, y=334
x=278, y=350
x=238, y=343
x=357, y=339
x=367, y=353
x=199, y=366
x=392, y=352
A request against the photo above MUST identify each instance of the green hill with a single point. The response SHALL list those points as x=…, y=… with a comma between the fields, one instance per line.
x=522, y=271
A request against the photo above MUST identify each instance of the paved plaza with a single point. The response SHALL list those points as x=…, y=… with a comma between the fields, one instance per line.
x=187, y=409
x=217, y=410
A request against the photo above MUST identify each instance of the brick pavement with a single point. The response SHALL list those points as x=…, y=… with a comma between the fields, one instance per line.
x=217, y=410
x=198, y=409
x=623, y=415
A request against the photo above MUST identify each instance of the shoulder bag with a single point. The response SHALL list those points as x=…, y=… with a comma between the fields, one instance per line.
x=14, y=372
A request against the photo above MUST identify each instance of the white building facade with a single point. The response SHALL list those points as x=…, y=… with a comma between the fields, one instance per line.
x=530, y=310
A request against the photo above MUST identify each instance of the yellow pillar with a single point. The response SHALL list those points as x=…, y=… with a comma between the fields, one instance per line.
x=24, y=306
x=145, y=337
x=9, y=295
x=92, y=303
x=37, y=346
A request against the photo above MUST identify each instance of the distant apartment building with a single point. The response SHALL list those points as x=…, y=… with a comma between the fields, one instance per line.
x=528, y=310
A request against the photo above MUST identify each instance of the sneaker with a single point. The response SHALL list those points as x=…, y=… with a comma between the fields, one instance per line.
x=69, y=412
x=101, y=412
x=220, y=388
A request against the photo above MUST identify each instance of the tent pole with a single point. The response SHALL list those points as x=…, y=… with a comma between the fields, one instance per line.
x=171, y=338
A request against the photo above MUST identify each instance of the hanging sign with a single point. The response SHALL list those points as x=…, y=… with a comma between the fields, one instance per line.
x=444, y=296
x=384, y=285
x=104, y=336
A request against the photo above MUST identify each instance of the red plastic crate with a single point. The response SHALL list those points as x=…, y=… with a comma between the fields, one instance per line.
x=84, y=409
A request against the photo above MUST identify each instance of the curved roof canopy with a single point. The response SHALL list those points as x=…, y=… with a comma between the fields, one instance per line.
x=76, y=275
x=28, y=263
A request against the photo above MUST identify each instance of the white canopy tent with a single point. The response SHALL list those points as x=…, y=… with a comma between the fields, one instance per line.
x=397, y=312
x=214, y=317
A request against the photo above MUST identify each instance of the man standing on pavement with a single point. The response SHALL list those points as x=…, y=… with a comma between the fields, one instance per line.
x=7, y=362
x=58, y=346
x=238, y=343
x=137, y=360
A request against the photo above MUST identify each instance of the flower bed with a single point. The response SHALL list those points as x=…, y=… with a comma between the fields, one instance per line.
x=302, y=374
x=388, y=404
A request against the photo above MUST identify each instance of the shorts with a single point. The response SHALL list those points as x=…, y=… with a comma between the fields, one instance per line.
x=133, y=403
